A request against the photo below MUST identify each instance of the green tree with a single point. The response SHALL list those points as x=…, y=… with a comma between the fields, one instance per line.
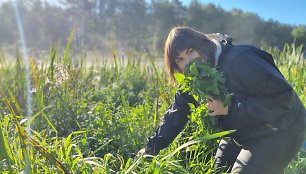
x=272, y=33
x=131, y=22
x=165, y=14
x=207, y=18
x=242, y=26
x=299, y=35
x=7, y=19
x=126, y=24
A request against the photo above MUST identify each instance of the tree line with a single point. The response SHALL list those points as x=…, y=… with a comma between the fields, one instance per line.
x=104, y=25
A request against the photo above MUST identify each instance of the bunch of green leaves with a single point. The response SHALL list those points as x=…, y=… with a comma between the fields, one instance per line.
x=201, y=80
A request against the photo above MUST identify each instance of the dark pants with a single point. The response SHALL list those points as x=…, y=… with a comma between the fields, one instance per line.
x=264, y=155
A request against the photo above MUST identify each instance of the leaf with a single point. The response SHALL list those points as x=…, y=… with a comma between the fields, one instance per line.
x=203, y=74
x=227, y=99
x=191, y=105
x=198, y=140
x=214, y=71
x=215, y=91
x=179, y=77
x=192, y=148
x=201, y=92
x=193, y=70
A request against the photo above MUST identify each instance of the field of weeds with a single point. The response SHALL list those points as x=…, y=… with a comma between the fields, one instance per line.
x=71, y=117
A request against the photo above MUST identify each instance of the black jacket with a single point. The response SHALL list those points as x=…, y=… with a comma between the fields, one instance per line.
x=263, y=101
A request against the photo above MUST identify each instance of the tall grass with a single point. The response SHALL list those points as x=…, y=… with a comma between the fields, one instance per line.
x=93, y=118
x=292, y=63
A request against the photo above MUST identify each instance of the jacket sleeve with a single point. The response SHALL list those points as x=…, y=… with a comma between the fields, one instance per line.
x=264, y=95
x=173, y=123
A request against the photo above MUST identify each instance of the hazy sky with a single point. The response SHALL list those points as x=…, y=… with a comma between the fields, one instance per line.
x=284, y=11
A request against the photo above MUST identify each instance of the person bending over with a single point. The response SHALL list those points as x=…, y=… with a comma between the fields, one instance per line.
x=268, y=116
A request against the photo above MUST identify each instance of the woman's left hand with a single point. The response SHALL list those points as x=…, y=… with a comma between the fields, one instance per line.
x=216, y=107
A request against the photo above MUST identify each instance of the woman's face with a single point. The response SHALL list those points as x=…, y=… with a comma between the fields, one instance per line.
x=185, y=56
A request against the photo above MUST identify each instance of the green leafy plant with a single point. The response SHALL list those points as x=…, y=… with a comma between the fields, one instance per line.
x=202, y=80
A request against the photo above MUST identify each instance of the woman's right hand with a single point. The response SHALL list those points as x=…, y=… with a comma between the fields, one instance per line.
x=142, y=152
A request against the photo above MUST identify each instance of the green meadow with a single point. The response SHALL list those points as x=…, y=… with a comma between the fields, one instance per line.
x=94, y=117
